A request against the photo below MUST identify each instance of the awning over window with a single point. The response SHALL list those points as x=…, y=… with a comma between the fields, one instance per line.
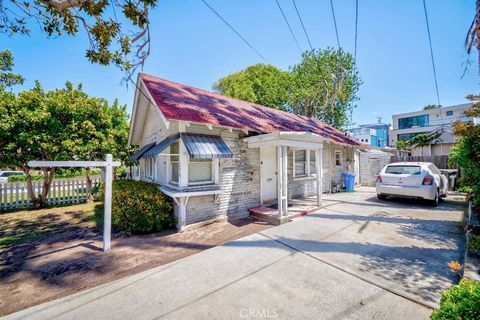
x=201, y=146
x=136, y=156
x=153, y=152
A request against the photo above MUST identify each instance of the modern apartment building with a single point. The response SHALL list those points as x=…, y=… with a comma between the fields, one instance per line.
x=408, y=125
x=375, y=134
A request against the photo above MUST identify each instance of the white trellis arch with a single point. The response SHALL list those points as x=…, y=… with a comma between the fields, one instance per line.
x=107, y=166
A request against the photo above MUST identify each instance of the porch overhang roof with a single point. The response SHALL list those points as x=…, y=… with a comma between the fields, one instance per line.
x=291, y=139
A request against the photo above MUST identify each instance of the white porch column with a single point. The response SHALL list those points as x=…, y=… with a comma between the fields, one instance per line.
x=282, y=180
x=319, y=170
x=182, y=212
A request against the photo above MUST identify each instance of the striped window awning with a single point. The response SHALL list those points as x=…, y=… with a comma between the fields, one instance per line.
x=137, y=155
x=199, y=146
x=202, y=146
x=162, y=145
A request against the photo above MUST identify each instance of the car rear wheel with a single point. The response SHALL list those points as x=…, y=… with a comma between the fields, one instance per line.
x=381, y=196
x=435, y=202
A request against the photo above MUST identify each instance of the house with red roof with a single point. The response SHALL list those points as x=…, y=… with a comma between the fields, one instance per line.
x=219, y=157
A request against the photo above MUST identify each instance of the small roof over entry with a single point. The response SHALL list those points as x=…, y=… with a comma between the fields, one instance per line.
x=199, y=146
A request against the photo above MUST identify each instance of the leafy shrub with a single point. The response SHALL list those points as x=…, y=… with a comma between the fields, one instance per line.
x=139, y=207
x=461, y=301
x=473, y=243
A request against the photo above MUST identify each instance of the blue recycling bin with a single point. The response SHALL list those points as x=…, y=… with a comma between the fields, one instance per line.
x=349, y=181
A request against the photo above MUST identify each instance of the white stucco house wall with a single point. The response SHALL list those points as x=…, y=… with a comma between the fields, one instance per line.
x=217, y=156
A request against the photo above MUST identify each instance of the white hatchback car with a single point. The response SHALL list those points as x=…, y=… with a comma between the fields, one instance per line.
x=420, y=180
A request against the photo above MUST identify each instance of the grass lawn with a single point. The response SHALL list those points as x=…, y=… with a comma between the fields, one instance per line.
x=31, y=225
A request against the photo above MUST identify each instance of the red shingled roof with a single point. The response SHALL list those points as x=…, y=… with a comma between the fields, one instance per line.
x=184, y=103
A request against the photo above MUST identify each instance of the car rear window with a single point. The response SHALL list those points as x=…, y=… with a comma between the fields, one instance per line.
x=403, y=170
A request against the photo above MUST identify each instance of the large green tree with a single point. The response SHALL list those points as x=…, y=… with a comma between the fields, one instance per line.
x=466, y=152
x=62, y=124
x=260, y=83
x=323, y=85
x=118, y=31
x=7, y=77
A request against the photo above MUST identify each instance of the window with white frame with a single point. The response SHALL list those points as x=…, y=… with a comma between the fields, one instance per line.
x=174, y=162
x=338, y=158
x=196, y=171
x=200, y=171
x=150, y=168
x=304, y=163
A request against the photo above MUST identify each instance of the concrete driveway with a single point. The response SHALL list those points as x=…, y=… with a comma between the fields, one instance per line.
x=357, y=258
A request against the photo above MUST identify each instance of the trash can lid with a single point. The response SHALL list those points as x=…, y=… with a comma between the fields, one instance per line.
x=348, y=174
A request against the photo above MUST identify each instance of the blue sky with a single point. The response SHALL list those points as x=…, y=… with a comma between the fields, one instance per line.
x=192, y=46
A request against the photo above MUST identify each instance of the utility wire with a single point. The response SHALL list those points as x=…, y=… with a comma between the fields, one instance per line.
x=233, y=29
x=335, y=23
x=356, y=30
x=303, y=26
x=431, y=52
x=289, y=27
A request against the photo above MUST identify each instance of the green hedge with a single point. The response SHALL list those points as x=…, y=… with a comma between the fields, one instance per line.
x=460, y=302
x=139, y=208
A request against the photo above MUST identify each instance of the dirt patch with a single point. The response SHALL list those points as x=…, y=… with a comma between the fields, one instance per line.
x=65, y=254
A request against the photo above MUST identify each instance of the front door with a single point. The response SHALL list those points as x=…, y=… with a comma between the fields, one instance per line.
x=268, y=173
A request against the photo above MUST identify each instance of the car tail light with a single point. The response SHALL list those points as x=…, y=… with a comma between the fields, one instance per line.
x=378, y=178
x=427, y=181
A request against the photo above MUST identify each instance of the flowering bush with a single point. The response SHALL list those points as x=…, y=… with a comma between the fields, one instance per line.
x=139, y=207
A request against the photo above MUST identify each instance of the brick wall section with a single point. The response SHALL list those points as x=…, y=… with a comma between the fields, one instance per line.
x=370, y=165
x=304, y=187
x=239, y=182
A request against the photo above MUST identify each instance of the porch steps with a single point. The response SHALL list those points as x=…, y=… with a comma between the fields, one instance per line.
x=270, y=215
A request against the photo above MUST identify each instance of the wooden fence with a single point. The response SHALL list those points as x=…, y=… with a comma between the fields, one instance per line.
x=440, y=161
x=13, y=195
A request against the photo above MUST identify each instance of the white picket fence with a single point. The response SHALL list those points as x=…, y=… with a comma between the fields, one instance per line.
x=13, y=195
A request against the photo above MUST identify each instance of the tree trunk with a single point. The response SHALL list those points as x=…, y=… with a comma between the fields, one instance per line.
x=39, y=201
x=30, y=192
x=89, y=186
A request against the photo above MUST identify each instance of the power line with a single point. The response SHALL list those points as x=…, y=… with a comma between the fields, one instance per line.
x=356, y=30
x=335, y=22
x=289, y=27
x=303, y=26
x=233, y=29
x=431, y=52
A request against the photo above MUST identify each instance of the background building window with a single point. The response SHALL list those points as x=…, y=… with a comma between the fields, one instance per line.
x=174, y=161
x=408, y=136
x=417, y=121
x=200, y=171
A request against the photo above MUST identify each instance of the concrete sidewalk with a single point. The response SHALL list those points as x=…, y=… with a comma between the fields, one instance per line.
x=254, y=277
x=357, y=258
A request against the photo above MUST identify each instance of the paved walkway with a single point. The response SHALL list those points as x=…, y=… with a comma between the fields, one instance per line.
x=358, y=258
